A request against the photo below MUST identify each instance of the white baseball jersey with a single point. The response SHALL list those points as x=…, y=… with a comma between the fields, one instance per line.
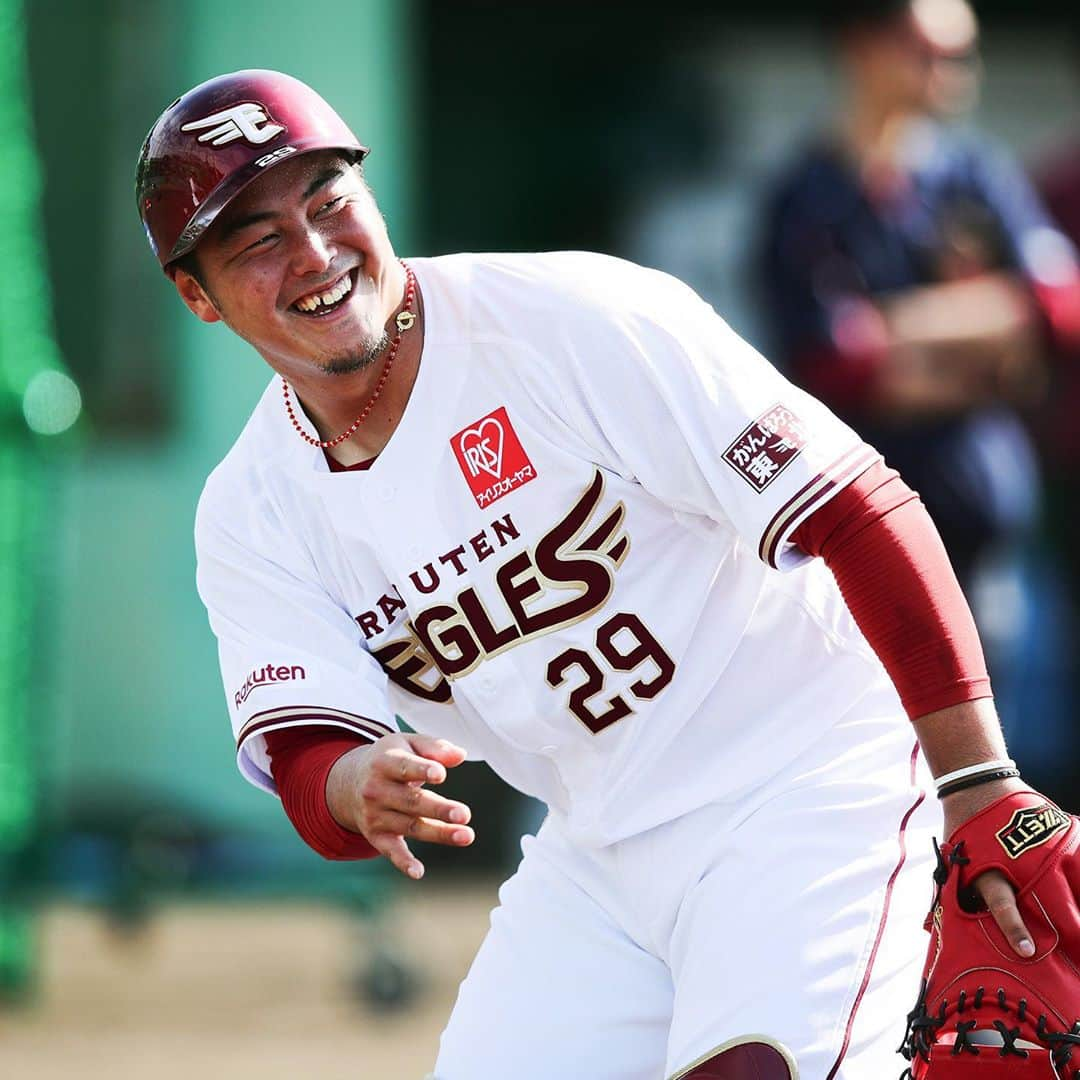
x=566, y=558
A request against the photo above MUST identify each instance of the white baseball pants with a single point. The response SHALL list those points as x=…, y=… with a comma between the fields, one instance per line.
x=795, y=913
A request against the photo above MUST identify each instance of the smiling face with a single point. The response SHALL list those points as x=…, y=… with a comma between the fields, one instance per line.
x=300, y=266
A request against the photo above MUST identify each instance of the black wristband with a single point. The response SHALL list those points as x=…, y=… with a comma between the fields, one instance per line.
x=975, y=781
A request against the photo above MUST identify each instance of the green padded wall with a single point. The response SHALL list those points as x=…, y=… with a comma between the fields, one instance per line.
x=30, y=379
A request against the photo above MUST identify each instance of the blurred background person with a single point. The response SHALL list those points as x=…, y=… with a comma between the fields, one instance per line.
x=1057, y=177
x=1056, y=427
x=912, y=279
x=905, y=274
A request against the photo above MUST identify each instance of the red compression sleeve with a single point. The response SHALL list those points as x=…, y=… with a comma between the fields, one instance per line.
x=300, y=762
x=893, y=572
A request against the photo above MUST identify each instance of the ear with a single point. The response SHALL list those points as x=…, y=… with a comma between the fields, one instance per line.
x=196, y=297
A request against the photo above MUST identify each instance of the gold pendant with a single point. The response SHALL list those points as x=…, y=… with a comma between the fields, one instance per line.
x=404, y=320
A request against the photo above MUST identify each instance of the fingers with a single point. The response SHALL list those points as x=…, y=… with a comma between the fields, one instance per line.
x=419, y=758
x=447, y=753
x=401, y=766
x=428, y=830
x=397, y=851
x=393, y=845
x=1000, y=900
x=392, y=805
x=415, y=801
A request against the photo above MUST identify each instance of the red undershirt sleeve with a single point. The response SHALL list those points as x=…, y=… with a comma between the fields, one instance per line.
x=300, y=762
x=892, y=570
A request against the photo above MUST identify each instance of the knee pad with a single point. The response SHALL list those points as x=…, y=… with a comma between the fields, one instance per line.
x=749, y=1057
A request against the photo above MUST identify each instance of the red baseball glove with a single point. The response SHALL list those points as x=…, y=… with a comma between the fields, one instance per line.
x=983, y=1011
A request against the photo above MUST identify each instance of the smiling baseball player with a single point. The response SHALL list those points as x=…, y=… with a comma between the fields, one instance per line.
x=550, y=509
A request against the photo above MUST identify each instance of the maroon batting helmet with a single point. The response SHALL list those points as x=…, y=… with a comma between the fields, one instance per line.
x=208, y=145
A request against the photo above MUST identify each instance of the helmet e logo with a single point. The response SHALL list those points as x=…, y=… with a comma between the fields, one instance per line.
x=238, y=122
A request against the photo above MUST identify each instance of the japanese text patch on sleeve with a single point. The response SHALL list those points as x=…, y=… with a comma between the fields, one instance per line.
x=766, y=447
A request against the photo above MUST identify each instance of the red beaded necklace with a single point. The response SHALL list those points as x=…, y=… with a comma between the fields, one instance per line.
x=406, y=317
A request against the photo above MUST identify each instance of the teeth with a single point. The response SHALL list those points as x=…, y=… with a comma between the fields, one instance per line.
x=331, y=296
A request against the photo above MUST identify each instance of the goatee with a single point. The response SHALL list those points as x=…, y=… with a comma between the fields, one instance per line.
x=357, y=360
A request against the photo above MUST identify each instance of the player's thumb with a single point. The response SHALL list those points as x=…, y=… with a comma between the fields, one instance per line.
x=440, y=750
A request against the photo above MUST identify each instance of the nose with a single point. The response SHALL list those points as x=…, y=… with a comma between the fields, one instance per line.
x=313, y=253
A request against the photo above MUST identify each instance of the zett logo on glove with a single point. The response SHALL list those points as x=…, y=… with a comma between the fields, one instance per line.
x=1031, y=827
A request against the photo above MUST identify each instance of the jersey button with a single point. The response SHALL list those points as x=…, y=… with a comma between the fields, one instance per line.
x=387, y=492
x=488, y=685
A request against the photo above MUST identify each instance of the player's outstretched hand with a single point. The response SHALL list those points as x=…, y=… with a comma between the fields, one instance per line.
x=378, y=791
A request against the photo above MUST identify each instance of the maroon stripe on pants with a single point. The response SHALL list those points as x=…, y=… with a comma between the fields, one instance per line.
x=881, y=925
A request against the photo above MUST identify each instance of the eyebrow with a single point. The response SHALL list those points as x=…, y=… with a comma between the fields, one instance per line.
x=331, y=172
x=231, y=228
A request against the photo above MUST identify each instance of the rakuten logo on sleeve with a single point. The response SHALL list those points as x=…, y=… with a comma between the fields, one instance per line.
x=491, y=457
x=264, y=676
